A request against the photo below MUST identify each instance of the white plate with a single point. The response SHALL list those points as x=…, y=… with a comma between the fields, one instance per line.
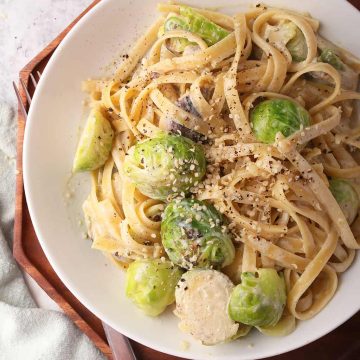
x=50, y=141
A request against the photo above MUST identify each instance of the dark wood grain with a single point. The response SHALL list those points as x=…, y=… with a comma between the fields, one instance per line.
x=356, y=3
x=341, y=344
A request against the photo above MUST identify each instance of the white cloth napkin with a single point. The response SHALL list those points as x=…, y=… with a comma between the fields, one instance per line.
x=27, y=332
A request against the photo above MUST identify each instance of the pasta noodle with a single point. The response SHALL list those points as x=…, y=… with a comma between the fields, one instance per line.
x=275, y=196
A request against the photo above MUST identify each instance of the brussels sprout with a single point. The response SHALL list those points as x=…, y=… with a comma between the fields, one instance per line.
x=286, y=33
x=199, y=24
x=192, y=21
x=165, y=166
x=95, y=143
x=297, y=46
x=347, y=198
x=329, y=56
x=277, y=115
x=202, y=297
x=176, y=44
x=259, y=300
x=151, y=284
x=192, y=235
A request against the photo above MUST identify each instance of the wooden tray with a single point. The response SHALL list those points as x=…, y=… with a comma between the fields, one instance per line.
x=343, y=343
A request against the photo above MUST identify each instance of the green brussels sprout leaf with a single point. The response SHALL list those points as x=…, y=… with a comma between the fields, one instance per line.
x=176, y=44
x=243, y=330
x=277, y=115
x=175, y=22
x=151, y=284
x=285, y=326
x=347, y=198
x=333, y=55
x=200, y=25
x=192, y=235
x=167, y=165
x=297, y=46
x=192, y=21
x=259, y=300
x=95, y=143
x=329, y=56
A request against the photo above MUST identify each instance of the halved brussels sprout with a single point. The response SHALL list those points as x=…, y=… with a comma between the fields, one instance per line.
x=151, y=284
x=277, y=115
x=287, y=34
x=193, y=237
x=95, y=143
x=202, y=297
x=192, y=21
x=347, y=198
x=167, y=165
x=297, y=46
x=260, y=298
x=176, y=44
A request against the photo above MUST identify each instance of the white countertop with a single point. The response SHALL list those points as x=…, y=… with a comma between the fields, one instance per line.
x=26, y=27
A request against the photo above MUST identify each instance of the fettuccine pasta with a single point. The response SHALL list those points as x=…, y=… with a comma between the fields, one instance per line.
x=230, y=85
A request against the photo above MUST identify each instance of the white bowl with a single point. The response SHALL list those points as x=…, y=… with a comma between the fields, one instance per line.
x=50, y=141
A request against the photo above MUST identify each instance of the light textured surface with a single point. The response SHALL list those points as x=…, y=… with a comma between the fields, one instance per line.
x=27, y=332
